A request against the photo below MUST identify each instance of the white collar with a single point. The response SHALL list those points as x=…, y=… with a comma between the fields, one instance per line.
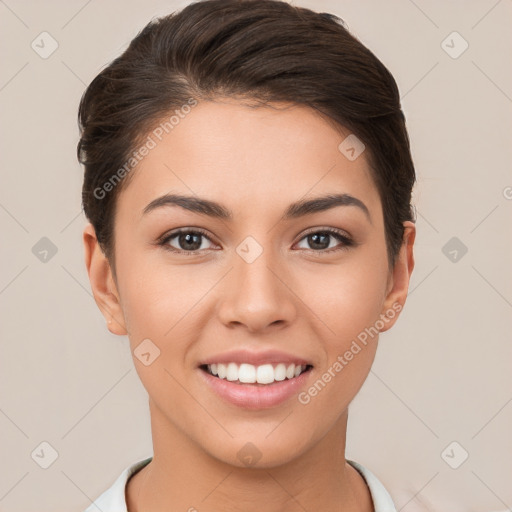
x=114, y=500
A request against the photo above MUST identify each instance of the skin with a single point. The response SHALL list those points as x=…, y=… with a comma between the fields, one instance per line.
x=308, y=301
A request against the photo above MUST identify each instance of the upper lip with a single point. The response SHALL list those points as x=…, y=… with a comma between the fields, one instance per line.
x=255, y=358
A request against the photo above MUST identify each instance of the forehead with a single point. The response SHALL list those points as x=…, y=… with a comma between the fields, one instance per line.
x=244, y=155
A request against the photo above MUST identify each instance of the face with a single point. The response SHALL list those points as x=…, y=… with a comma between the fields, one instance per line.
x=282, y=283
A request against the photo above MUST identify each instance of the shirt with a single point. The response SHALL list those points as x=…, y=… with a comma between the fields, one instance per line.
x=113, y=499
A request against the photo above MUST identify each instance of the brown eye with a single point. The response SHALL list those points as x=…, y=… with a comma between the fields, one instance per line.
x=323, y=241
x=185, y=241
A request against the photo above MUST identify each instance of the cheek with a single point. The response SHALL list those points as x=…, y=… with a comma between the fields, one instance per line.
x=347, y=298
x=349, y=305
x=160, y=300
x=160, y=304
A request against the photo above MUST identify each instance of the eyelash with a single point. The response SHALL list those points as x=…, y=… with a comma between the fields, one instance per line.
x=346, y=241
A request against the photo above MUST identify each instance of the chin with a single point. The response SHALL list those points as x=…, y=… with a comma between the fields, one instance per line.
x=259, y=451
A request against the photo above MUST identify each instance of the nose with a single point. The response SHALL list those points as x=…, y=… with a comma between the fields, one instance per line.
x=256, y=295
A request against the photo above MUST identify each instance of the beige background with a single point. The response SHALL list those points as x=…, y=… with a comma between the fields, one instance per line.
x=441, y=375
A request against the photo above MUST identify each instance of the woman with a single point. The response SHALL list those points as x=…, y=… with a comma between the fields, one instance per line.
x=248, y=185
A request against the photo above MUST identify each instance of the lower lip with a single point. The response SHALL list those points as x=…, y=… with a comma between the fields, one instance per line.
x=255, y=396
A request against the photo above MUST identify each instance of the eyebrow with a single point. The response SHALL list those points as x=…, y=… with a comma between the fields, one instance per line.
x=294, y=210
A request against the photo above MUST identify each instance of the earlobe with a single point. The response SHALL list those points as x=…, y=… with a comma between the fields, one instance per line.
x=102, y=282
x=399, y=281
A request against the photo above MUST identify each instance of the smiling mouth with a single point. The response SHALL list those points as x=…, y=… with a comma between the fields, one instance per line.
x=262, y=375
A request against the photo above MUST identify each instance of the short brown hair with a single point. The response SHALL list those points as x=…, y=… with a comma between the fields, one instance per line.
x=264, y=50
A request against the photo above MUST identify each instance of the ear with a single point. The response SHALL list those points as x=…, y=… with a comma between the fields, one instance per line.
x=398, y=282
x=102, y=282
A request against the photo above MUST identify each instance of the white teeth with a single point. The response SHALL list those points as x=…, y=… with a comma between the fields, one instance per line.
x=248, y=373
x=232, y=372
x=264, y=374
x=280, y=372
x=221, y=370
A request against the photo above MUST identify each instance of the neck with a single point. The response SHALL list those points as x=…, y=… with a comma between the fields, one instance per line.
x=182, y=476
